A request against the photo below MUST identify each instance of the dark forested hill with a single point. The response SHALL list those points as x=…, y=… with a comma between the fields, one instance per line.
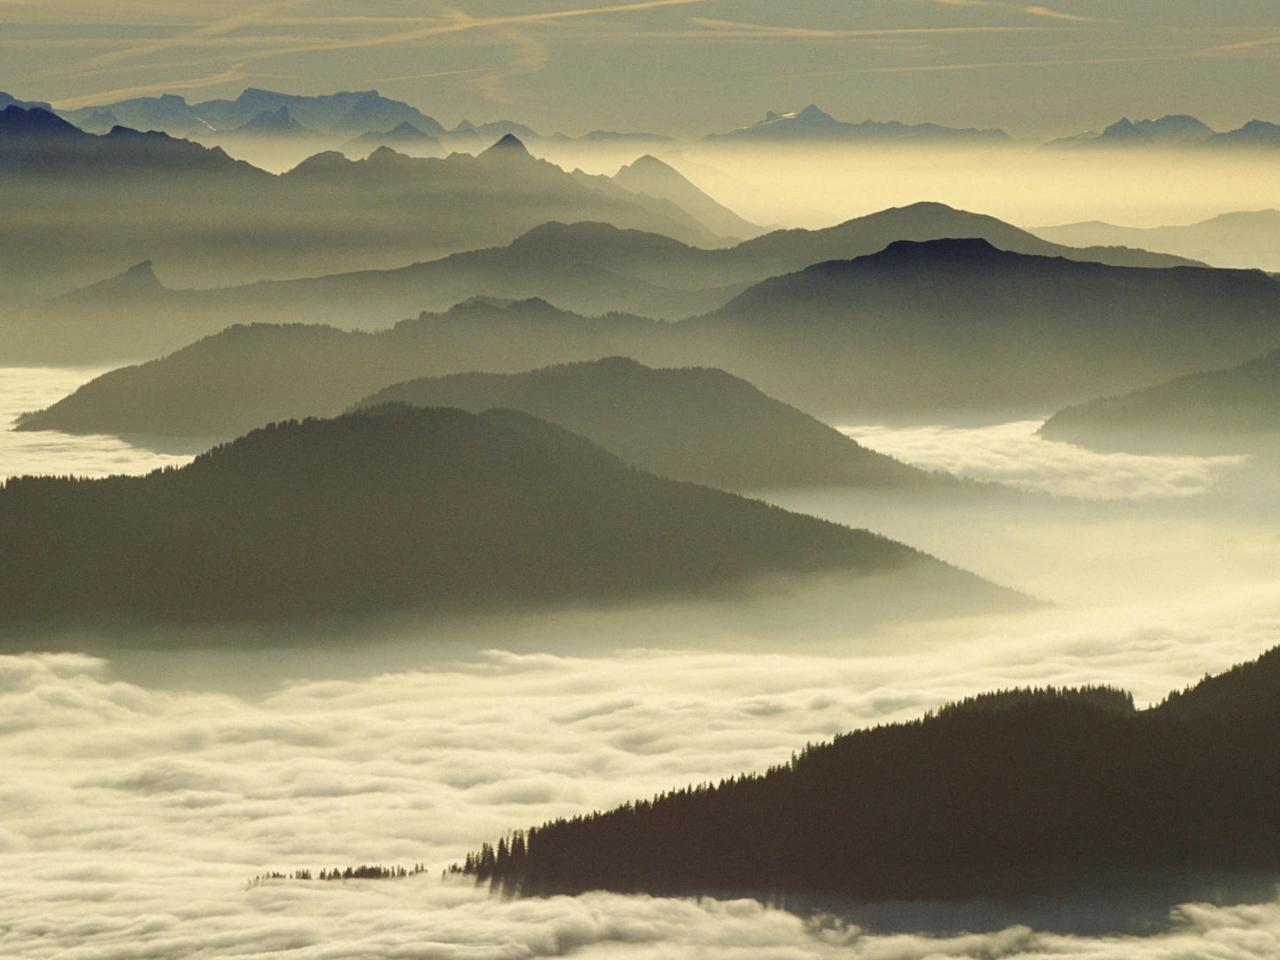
x=1010, y=793
x=1219, y=411
x=691, y=423
x=395, y=508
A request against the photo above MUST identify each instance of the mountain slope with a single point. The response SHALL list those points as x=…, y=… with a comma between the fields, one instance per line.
x=918, y=329
x=396, y=508
x=960, y=325
x=1242, y=239
x=586, y=267
x=246, y=376
x=84, y=206
x=650, y=176
x=1218, y=411
x=693, y=424
x=405, y=138
x=1012, y=793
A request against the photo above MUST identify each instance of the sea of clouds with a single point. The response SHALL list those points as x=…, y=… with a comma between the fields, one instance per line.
x=133, y=817
x=143, y=790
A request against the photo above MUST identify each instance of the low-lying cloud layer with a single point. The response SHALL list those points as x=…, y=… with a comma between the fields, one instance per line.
x=134, y=815
x=23, y=389
x=1012, y=453
x=141, y=793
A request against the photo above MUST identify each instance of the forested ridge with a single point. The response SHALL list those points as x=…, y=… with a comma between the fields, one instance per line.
x=395, y=507
x=1002, y=794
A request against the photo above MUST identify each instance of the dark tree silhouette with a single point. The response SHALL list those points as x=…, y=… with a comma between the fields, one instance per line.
x=1000, y=794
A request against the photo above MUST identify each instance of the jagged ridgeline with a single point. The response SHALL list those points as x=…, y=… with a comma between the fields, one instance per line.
x=395, y=508
x=79, y=204
x=1003, y=794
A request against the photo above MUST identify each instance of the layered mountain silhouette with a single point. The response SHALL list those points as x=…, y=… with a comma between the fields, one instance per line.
x=9, y=100
x=98, y=204
x=1005, y=794
x=815, y=125
x=1240, y=239
x=651, y=177
x=404, y=138
x=347, y=113
x=585, y=267
x=918, y=329
x=274, y=123
x=954, y=325
x=693, y=424
x=245, y=376
x=1172, y=132
x=1236, y=410
x=397, y=508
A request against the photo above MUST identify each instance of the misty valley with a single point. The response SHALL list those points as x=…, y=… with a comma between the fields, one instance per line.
x=811, y=538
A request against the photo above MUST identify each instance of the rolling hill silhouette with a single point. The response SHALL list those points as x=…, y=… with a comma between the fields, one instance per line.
x=1004, y=794
x=958, y=324
x=1246, y=238
x=693, y=424
x=917, y=329
x=585, y=267
x=1230, y=411
x=246, y=376
x=399, y=508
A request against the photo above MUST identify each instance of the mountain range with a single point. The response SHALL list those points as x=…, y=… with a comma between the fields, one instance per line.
x=346, y=113
x=1173, y=131
x=938, y=327
x=1241, y=239
x=1230, y=411
x=404, y=138
x=1016, y=793
x=82, y=204
x=394, y=508
x=589, y=268
x=813, y=125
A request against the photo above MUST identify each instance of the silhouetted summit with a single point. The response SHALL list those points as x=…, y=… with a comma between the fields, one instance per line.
x=694, y=424
x=395, y=508
x=1005, y=794
x=649, y=175
x=509, y=145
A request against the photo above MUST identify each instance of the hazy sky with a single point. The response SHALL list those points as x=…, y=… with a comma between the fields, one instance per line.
x=672, y=66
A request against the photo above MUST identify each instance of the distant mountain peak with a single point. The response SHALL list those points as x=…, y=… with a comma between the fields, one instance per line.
x=813, y=113
x=139, y=279
x=35, y=120
x=509, y=145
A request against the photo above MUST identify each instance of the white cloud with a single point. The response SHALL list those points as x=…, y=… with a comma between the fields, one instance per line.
x=1012, y=453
